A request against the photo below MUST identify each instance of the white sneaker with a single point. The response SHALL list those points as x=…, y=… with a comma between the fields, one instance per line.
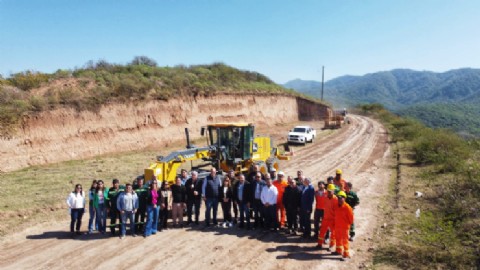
x=224, y=225
x=230, y=224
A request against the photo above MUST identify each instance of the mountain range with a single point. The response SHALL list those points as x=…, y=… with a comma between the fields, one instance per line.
x=448, y=100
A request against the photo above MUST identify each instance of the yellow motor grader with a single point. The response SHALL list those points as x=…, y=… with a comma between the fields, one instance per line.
x=230, y=146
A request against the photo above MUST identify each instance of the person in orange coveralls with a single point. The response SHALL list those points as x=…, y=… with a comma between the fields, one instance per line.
x=339, y=181
x=343, y=221
x=320, y=197
x=280, y=184
x=328, y=222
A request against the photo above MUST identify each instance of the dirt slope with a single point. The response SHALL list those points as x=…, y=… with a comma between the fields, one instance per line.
x=65, y=134
x=360, y=149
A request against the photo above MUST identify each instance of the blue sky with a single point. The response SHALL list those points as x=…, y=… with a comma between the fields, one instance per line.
x=282, y=39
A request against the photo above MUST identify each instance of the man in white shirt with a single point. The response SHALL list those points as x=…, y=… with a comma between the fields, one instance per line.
x=269, y=200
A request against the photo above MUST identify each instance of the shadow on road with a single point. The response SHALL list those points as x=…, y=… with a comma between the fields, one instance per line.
x=63, y=235
x=303, y=253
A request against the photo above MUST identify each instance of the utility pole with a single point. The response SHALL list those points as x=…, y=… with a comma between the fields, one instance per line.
x=323, y=72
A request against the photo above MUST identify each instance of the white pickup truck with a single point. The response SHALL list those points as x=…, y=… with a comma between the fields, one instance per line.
x=301, y=134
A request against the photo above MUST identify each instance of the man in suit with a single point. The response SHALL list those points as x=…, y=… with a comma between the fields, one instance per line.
x=257, y=187
x=193, y=187
x=234, y=180
x=242, y=194
x=291, y=201
x=306, y=202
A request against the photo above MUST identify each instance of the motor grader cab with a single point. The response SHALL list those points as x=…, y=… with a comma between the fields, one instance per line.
x=230, y=146
x=239, y=148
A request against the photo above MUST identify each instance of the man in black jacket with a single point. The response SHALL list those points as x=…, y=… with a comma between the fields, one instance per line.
x=234, y=180
x=193, y=187
x=141, y=191
x=257, y=187
x=178, y=202
x=242, y=194
x=113, y=194
x=291, y=201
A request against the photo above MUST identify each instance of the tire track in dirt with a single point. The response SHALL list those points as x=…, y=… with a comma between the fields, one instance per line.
x=344, y=151
x=353, y=149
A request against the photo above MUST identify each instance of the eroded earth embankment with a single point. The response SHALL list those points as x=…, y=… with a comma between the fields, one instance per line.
x=66, y=134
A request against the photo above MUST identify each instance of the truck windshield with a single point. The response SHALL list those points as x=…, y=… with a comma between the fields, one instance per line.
x=301, y=130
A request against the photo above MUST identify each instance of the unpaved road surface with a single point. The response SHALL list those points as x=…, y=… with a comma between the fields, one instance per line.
x=359, y=149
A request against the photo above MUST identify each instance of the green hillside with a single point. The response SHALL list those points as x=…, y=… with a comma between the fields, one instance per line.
x=448, y=100
x=461, y=117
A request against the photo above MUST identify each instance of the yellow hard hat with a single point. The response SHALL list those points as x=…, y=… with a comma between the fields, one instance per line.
x=341, y=194
x=331, y=187
x=339, y=171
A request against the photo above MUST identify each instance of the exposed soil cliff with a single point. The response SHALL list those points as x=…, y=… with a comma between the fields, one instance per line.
x=66, y=134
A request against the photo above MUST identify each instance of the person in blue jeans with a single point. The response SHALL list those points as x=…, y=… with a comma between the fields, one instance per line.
x=210, y=188
x=127, y=205
x=76, y=204
x=91, y=209
x=100, y=204
x=152, y=209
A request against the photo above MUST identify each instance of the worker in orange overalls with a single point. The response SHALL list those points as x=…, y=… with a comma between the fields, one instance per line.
x=280, y=184
x=339, y=181
x=328, y=222
x=320, y=197
x=343, y=221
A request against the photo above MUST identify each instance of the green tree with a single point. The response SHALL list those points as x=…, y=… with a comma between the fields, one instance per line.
x=143, y=60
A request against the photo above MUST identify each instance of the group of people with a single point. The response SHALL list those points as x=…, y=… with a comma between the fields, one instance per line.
x=267, y=201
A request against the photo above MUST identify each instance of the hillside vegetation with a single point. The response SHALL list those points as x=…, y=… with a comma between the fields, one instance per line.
x=439, y=229
x=463, y=118
x=447, y=100
x=99, y=83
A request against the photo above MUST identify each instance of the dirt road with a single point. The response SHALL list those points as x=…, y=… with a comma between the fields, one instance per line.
x=360, y=150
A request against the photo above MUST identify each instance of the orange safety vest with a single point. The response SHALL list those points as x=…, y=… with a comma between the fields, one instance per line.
x=320, y=199
x=343, y=216
x=328, y=211
x=280, y=185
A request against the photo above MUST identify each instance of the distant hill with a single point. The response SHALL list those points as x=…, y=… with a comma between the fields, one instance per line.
x=449, y=99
